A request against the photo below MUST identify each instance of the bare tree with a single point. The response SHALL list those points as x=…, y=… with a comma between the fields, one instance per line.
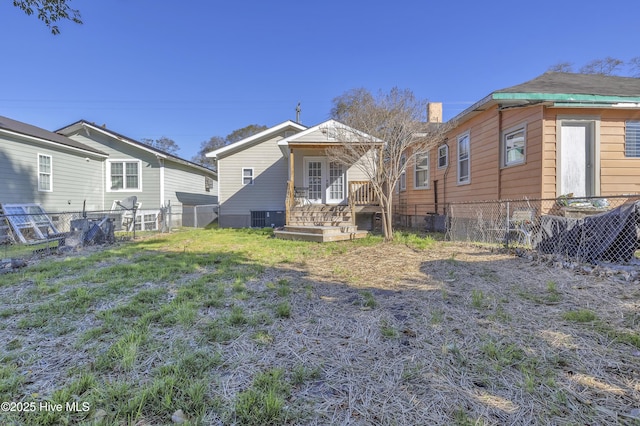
x=634, y=65
x=606, y=66
x=244, y=132
x=163, y=144
x=212, y=144
x=216, y=142
x=49, y=11
x=561, y=67
x=379, y=137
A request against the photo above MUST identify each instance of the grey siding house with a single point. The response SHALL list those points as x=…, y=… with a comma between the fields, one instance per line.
x=252, y=177
x=43, y=167
x=285, y=177
x=156, y=178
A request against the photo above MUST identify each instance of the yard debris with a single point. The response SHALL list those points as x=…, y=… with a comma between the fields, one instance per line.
x=627, y=273
x=94, y=231
x=99, y=415
x=9, y=265
x=611, y=236
x=178, y=417
x=30, y=223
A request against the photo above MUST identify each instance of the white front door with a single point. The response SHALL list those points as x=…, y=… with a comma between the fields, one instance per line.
x=314, y=179
x=335, y=188
x=576, y=157
x=325, y=180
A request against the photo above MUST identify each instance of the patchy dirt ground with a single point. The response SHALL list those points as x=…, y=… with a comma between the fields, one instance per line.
x=453, y=334
x=463, y=334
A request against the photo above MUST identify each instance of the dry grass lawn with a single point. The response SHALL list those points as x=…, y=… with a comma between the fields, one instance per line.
x=243, y=329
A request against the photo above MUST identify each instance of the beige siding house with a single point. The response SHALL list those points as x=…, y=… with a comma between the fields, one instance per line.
x=252, y=178
x=284, y=176
x=557, y=134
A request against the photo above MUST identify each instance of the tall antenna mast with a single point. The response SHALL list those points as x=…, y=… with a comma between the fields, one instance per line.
x=298, y=109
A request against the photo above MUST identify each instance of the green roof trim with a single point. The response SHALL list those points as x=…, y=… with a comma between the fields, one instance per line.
x=623, y=105
x=563, y=97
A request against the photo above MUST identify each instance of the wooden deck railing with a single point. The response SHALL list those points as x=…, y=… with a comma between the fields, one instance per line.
x=361, y=193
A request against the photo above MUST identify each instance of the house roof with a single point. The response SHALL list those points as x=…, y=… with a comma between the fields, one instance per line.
x=8, y=125
x=108, y=132
x=247, y=141
x=325, y=128
x=564, y=90
x=578, y=84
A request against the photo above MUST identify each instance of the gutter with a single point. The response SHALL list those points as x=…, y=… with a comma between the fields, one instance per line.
x=58, y=144
x=565, y=97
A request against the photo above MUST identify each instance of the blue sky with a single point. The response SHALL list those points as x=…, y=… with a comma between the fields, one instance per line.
x=197, y=69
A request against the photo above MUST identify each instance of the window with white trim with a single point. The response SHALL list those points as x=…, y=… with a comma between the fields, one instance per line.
x=403, y=174
x=464, y=163
x=443, y=156
x=208, y=183
x=124, y=175
x=513, y=145
x=421, y=173
x=44, y=173
x=247, y=176
x=632, y=139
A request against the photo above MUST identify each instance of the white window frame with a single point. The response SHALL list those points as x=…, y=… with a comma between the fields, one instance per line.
x=632, y=151
x=418, y=157
x=445, y=156
x=49, y=174
x=242, y=176
x=124, y=188
x=503, y=146
x=402, y=182
x=208, y=183
x=462, y=180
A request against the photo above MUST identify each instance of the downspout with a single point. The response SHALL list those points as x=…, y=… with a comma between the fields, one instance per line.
x=499, y=186
x=162, y=198
x=218, y=185
x=444, y=178
x=104, y=182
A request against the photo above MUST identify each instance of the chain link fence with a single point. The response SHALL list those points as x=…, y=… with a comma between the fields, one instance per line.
x=590, y=229
x=33, y=231
x=199, y=216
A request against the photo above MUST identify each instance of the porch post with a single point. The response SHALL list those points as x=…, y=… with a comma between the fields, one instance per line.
x=291, y=165
x=290, y=188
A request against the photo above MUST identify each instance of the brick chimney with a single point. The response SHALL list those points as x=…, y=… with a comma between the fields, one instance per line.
x=434, y=112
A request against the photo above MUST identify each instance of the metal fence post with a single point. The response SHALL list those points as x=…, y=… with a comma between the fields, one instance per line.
x=507, y=226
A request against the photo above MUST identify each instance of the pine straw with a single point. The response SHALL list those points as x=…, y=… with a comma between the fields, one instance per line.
x=436, y=372
x=421, y=355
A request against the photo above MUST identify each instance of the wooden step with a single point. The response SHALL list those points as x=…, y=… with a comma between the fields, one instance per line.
x=320, y=238
x=320, y=233
x=326, y=230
